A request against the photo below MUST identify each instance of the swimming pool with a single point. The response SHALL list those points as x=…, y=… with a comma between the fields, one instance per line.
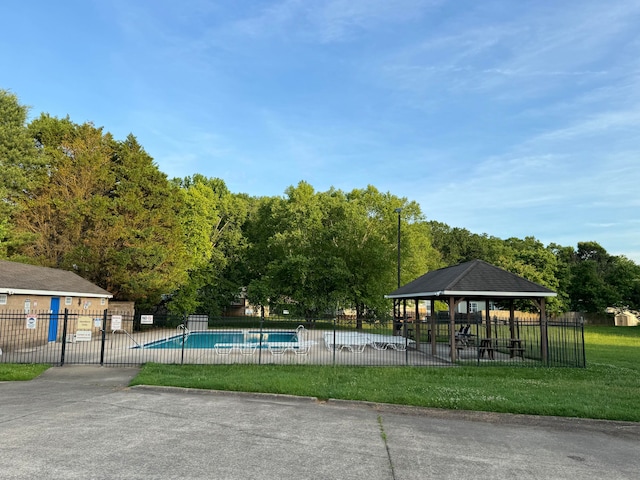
x=226, y=339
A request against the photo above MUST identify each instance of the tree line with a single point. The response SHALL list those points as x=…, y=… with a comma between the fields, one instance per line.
x=73, y=197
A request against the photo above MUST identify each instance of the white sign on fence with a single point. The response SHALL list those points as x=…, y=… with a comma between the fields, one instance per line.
x=83, y=336
x=146, y=319
x=116, y=322
x=32, y=322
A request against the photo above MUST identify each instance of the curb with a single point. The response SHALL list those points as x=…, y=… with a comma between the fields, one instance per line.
x=610, y=427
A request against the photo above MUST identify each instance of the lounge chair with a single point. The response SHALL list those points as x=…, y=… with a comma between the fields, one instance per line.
x=304, y=347
x=384, y=342
x=350, y=341
x=328, y=340
x=354, y=347
x=248, y=348
x=279, y=348
x=224, y=348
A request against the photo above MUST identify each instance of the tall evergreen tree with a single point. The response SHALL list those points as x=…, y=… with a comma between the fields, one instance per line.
x=105, y=210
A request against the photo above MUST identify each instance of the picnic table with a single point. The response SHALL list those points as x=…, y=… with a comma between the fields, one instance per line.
x=490, y=345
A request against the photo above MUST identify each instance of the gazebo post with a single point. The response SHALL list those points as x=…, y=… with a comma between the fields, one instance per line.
x=452, y=328
x=488, y=319
x=416, y=325
x=544, y=339
x=404, y=318
x=396, y=315
x=512, y=322
x=433, y=326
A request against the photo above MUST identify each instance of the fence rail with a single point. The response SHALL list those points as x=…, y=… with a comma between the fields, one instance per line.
x=60, y=338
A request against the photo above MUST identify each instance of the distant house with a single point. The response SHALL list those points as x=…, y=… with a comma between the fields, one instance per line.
x=28, y=289
x=240, y=306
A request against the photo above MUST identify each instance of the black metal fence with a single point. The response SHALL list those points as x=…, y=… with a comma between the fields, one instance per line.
x=60, y=338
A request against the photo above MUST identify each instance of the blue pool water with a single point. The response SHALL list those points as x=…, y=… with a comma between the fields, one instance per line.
x=211, y=338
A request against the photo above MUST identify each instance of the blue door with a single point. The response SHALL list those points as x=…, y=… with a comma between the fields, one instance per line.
x=53, y=319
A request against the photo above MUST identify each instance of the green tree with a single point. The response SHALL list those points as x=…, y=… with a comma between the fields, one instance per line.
x=145, y=256
x=212, y=219
x=56, y=214
x=20, y=166
x=293, y=260
x=530, y=259
x=589, y=290
x=104, y=210
x=304, y=268
x=526, y=257
x=624, y=277
x=600, y=280
x=565, y=257
x=259, y=256
x=369, y=248
x=458, y=245
x=321, y=251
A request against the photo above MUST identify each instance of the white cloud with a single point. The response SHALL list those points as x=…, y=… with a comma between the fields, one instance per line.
x=329, y=21
x=597, y=123
x=534, y=52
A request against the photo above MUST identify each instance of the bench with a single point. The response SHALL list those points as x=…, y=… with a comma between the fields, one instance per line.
x=487, y=345
x=464, y=343
x=515, y=346
x=513, y=352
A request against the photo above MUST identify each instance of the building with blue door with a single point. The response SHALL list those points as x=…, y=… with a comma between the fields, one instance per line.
x=37, y=292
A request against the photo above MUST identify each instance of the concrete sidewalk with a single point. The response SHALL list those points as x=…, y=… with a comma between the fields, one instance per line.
x=83, y=422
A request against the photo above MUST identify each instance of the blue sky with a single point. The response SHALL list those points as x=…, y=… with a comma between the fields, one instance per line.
x=511, y=118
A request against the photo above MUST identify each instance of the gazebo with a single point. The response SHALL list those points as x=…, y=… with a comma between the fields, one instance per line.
x=474, y=281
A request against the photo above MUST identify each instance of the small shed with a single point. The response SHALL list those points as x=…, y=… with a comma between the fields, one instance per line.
x=29, y=288
x=474, y=281
x=626, y=319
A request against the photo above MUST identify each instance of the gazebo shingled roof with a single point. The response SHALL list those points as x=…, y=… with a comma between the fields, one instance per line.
x=477, y=279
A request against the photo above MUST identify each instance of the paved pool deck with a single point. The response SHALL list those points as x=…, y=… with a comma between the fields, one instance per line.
x=118, y=350
x=84, y=422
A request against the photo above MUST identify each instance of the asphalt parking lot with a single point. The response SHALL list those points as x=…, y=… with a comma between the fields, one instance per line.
x=84, y=422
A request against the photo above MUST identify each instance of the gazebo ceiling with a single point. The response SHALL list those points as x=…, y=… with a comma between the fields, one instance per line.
x=475, y=279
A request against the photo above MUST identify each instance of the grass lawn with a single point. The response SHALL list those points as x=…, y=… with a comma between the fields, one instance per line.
x=609, y=388
x=21, y=372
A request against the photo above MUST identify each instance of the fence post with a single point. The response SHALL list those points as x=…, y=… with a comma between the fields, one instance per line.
x=544, y=334
x=184, y=335
x=103, y=340
x=584, y=355
x=260, y=339
x=405, y=332
x=64, y=336
x=334, y=341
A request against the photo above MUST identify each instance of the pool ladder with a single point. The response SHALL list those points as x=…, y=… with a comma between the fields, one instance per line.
x=299, y=331
x=184, y=329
